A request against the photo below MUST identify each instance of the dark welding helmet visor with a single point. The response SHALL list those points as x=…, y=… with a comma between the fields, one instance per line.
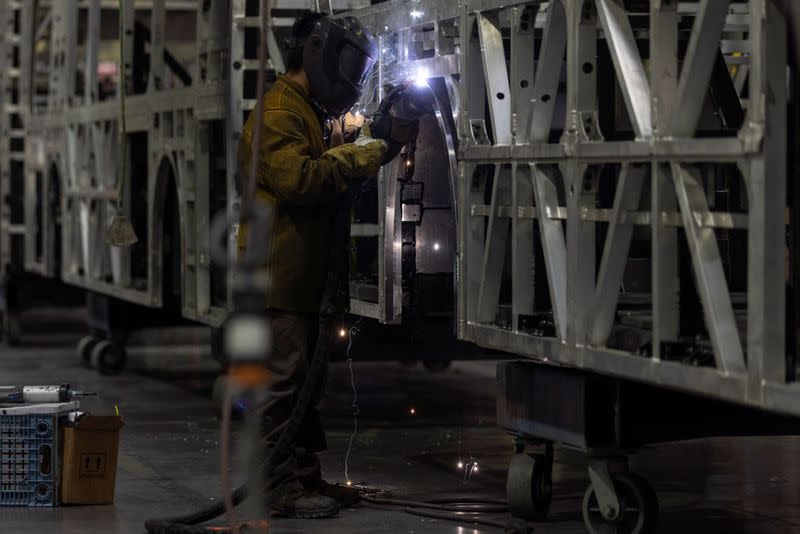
x=338, y=58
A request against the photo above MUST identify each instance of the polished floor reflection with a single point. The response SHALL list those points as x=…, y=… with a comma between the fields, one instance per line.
x=415, y=427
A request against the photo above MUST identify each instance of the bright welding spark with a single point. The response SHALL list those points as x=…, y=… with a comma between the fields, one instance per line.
x=421, y=77
x=416, y=14
x=436, y=246
x=349, y=482
x=342, y=332
x=460, y=464
x=412, y=411
x=475, y=467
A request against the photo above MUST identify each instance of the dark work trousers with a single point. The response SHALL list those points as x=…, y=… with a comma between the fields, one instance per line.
x=294, y=337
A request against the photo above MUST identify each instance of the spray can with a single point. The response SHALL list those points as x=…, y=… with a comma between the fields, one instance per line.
x=39, y=394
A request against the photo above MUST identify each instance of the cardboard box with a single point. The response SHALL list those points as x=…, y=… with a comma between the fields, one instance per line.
x=89, y=463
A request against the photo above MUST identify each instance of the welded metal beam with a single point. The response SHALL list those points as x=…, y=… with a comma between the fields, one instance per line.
x=491, y=273
x=497, y=85
x=709, y=273
x=765, y=177
x=522, y=251
x=615, y=252
x=630, y=70
x=553, y=243
x=696, y=71
x=548, y=73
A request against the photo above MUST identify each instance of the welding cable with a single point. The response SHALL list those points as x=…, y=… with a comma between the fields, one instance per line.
x=452, y=516
x=446, y=505
x=247, y=206
x=225, y=456
x=459, y=509
x=186, y=524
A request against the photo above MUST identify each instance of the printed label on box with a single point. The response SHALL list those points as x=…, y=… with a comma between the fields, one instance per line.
x=93, y=465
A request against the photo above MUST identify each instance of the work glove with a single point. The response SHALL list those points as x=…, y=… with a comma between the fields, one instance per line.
x=387, y=125
x=336, y=135
x=365, y=138
x=352, y=124
x=397, y=117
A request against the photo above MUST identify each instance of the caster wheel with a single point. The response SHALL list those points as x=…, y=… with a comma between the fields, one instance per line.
x=638, y=512
x=529, y=486
x=108, y=358
x=84, y=349
x=436, y=366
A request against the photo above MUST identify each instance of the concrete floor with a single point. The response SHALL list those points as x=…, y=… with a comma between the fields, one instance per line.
x=169, y=459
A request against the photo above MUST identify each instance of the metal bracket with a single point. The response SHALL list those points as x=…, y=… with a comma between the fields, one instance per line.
x=603, y=485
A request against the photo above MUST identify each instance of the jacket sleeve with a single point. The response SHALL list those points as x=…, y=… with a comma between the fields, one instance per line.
x=287, y=170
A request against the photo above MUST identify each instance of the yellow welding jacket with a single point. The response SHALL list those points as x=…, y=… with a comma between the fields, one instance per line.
x=301, y=179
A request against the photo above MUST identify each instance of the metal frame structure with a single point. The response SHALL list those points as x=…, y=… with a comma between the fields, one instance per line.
x=57, y=131
x=528, y=162
x=515, y=180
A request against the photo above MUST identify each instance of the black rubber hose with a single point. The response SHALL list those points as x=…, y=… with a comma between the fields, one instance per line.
x=446, y=505
x=183, y=524
x=451, y=516
x=458, y=509
x=468, y=500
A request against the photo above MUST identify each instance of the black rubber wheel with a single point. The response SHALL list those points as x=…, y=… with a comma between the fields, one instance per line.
x=84, y=349
x=436, y=366
x=638, y=513
x=529, y=486
x=108, y=358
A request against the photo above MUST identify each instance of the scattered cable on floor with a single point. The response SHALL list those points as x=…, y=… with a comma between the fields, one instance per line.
x=353, y=332
x=470, y=467
x=462, y=510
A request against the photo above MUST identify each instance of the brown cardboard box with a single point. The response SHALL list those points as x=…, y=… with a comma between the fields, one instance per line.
x=89, y=466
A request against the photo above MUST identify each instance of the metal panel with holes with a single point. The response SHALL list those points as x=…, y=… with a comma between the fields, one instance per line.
x=617, y=147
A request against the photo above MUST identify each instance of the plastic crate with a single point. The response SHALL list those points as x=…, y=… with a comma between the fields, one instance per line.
x=29, y=459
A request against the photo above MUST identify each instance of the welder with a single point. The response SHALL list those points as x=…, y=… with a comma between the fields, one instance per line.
x=305, y=168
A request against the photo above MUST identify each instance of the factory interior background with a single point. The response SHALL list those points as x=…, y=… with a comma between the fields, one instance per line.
x=477, y=266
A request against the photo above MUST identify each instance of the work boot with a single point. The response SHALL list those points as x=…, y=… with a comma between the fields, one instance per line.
x=295, y=501
x=345, y=496
x=310, y=476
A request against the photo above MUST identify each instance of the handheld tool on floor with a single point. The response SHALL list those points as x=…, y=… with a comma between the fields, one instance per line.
x=40, y=394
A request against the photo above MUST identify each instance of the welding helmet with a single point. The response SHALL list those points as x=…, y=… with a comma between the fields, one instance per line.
x=337, y=57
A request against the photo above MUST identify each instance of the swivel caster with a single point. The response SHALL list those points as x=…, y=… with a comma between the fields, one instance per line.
x=529, y=486
x=84, y=349
x=108, y=358
x=637, y=512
